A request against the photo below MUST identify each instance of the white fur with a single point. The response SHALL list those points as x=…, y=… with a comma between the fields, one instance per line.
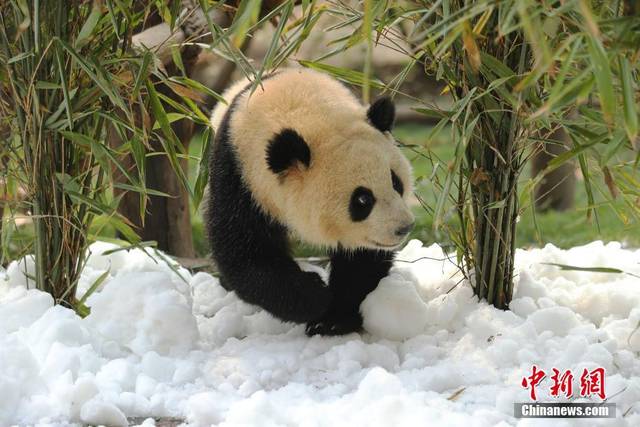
x=346, y=152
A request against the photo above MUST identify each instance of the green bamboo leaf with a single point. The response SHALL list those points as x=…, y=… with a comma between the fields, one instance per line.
x=53, y=118
x=142, y=190
x=176, y=55
x=117, y=222
x=94, y=286
x=139, y=245
x=588, y=186
x=628, y=95
x=105, y=87
x=344, y=74
x=603, y=77
x=434, y=113
x=588, y=269
x=613, y=147
x=203, y=167
x=275, y=38
x=89, y=26
x=193, y=84
x=449, y=39
x=143, y=73
x=568, y=155
x=171, y=117
x=19, y=57
x=533, y=30
x=569, y=94
x=65, y=89
x=452, y=170
x=170, y=140
x=246, y=15
x=41, y=85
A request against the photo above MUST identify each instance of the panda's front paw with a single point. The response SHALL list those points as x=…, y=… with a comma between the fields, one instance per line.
x=335, y=325
x=315, y=297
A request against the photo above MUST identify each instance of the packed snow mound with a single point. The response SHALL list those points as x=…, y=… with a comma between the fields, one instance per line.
x=156, y=315
x=161, y=342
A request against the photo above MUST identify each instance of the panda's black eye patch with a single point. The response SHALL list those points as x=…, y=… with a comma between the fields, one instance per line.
x=397, y=184
x=361, y=204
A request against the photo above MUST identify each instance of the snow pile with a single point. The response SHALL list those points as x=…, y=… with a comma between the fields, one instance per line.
x=155, y=317
x=160, y=342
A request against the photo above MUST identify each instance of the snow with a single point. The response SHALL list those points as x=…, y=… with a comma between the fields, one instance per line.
x=161, y=342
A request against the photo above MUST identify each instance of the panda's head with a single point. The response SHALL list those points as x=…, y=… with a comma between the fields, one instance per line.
x=347, y=182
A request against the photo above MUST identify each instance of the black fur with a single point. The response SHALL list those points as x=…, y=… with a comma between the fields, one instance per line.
x=382, y=114
x=285, y=149
x=353, y=275
x=253, y=256
x=397, y=183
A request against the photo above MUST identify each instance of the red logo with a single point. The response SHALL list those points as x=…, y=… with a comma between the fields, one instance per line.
x=562, y=383
x=533, y=380
x=591, y=382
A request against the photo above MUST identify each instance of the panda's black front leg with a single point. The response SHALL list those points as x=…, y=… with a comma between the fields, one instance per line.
x=253, y=257
x=353, y=275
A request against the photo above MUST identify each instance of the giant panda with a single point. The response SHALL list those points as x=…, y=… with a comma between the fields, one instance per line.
x=302, y=158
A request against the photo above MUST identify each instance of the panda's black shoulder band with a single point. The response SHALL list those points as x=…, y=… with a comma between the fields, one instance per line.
x=286, y=148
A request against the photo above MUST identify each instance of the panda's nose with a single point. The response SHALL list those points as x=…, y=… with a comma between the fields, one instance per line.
x=405, y=229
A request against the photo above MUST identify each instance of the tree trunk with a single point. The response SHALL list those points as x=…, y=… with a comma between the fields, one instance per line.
x=556, y=191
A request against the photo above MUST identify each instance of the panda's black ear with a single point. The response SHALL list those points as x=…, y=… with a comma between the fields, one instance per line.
x=382, y=114
x=285, y=149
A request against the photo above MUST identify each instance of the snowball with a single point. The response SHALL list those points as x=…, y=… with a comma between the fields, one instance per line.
x=102, y=413
x=82, y=391
x=558, y=320
x=208, y=295
x=523, y=306
x=19, y=377
x=377, y=383
x=204, y=409
x=158, y=367
x=58, y=325
x=142, y=312
x=527, y=286
x=20, y=307
x=394, y=310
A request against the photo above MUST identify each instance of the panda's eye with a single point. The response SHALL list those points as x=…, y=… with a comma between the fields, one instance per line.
x=364, y=200
x=361, y=204
x=396, y=183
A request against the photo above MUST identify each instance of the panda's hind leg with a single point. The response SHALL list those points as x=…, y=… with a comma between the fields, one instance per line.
x=354, y=274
